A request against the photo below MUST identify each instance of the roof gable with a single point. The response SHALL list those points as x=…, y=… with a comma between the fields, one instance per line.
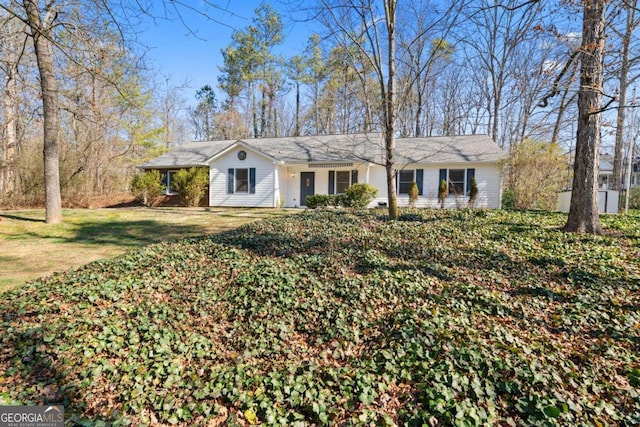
x=242, y=144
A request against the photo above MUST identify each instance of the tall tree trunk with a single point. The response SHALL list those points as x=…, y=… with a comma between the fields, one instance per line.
x=316, y=107
x=583, y=211
x=44, y=55
x=418, y=128
x=263, y=110
x=622, y=97
x=390, y=110
x=10, y=140
x=296, y=131
x=254, y=112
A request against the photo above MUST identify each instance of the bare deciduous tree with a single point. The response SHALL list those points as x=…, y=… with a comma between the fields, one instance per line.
x=374, y=40
x=626, y=62
x=494, y=35
x=583, y=210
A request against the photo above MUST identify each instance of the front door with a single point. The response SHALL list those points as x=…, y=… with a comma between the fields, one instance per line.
x=307, y=186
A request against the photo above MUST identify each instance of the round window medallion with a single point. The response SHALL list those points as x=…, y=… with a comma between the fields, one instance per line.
x=242, y=155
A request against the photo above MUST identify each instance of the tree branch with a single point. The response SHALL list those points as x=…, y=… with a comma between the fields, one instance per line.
x=556, y=83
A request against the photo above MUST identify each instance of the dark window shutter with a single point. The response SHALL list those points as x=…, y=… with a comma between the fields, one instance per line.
x=419, y=179
x=470, y=174
x=443, y=176
x=354, y=176
x=252, y=180
x=231, y=182
x=332, y=182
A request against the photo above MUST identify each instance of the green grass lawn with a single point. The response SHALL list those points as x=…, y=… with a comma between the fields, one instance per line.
x=341, y=318
x=31, y=248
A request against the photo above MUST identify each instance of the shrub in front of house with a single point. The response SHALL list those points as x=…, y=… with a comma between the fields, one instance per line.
x=442, y=193
x=414, y=192
x=147, y=186
x=359, y=196
x=473, y=192
x=191, y=184
x=322, y=201
x=508, y=199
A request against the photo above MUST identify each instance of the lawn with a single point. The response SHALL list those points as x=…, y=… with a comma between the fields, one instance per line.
x=341, y=318
x=32, y=249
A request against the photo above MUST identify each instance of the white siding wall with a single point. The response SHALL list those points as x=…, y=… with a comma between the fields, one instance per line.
x=293, y=187
x=281, y=185
x=487, y=177
x=273, y=181
x=265, y=195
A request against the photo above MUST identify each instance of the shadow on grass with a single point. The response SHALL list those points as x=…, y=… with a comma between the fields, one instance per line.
x=132, y=233
x=21, y=218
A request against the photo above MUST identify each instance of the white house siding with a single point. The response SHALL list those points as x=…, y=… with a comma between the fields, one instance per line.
x=487, y=177
x=280, y=186
x=264, y=196
x=275, y=180
x=378, y=178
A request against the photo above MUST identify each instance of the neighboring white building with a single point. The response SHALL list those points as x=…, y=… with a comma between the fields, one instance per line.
x=605, y=173
x=274, y=172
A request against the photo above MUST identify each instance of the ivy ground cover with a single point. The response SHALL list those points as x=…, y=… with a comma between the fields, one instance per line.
x=341, y=318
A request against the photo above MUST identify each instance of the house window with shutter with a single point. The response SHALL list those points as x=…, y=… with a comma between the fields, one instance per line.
x=458, y=180
x=241, y=181
x=343, y=181
x=339, y=181
x=407, y=176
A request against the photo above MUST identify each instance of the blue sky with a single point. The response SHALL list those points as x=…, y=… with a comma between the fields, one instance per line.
x=181, y=56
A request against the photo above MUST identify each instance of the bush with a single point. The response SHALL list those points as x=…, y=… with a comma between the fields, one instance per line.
x=414, y=192
x=536, y=172
x=359, y=196
x=191, y=184
x=508, y=199
x=322, y=201
x=634, y=198
x=473, y=191
x=442, y=192
x=147, y=186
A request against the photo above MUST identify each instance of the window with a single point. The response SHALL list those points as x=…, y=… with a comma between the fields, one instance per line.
x=241, y=181
x=167, y=181
x=343, y=181
x=458, y=180
x=339, y=181
x=405, y=177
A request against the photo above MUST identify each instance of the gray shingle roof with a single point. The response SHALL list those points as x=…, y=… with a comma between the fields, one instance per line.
x=323, y=148
x=340, y=148
x=448, y=149
x=188, y=155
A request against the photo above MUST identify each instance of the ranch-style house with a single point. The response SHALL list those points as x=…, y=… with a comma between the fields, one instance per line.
x=283, y=171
